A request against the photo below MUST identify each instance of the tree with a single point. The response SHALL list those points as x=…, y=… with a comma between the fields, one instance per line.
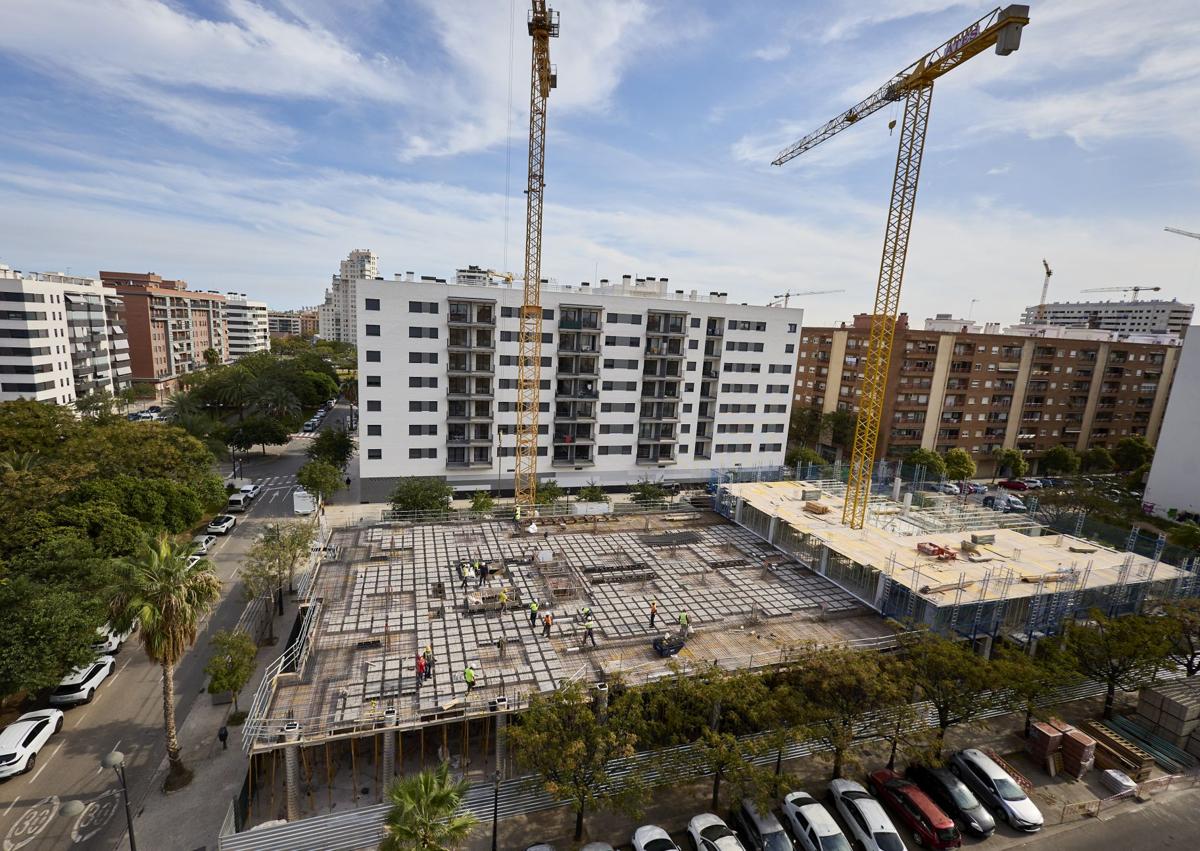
x=839, y=425
x=960, y=466
x=232, y=663
x=1186, y=535
x=47, y=630
x=421, y=493
x=1097, y=460
x=185, y=403
x=561, y=739
x=235, y=388
x=333, y=446
x=212, y=357
x=97, y=404
x=424, y=813
x=805, y=426
x=1121, y=652
x=647, y=491
x=1032, y=680
x=1132, y=452
x=948, y=675
x=320, y=478
x=482, y=502
x=934, y=466
x=1011, y=460
x=591, y=492
x=803, y=455
x=274, y=400
x=548, y=492
x=1183, y=629
x=1060, y=459
x=168, y=597
x=259, y=430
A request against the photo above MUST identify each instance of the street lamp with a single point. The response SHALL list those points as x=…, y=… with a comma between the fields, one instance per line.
x=116, y=761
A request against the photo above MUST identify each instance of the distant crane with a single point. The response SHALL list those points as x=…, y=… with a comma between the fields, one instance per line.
x=788, y=295
x=1041, y=311
x=913, y=85
x=1183, y=232
x=543, y=26
x=1134, y=290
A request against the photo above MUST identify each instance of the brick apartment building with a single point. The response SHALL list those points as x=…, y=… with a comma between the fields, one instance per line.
x=979, y=389
x=170, y=327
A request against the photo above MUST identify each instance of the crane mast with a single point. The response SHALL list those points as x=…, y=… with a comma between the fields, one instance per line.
x=1041, y=311
x=913, y=85
x=543, y=25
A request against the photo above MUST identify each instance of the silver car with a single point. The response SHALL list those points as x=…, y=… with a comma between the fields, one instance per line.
x=996, y=789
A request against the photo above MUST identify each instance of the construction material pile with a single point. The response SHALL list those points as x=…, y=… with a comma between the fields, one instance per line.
x=1171, y=711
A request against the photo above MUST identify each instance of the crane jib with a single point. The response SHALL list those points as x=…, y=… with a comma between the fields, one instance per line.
x=963, y=38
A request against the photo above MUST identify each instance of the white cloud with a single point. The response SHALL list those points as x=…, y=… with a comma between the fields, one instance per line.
x=772, y=53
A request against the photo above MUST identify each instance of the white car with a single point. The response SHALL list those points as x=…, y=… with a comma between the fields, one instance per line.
x=252, y=490
x=202, y=543
x=23, y=738
x=222, y=524
x=110, y=640
x=865, y=817
x=947, y=488
x=651, y=837
x=80, y=685
x=710, y=833
x=996, y=790
x=812, y=825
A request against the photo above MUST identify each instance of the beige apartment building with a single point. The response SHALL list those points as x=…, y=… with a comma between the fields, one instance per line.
x=978, y=389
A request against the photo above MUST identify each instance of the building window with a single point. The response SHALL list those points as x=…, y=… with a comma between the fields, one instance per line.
x=422, y=381
x=791, y=327
x=372, y=304
x=374, y=431
x=415, y=407
x=374, y=381
x=416, y=331
x=419, y=430
x=421, y=306
x=372, y=330
x=422, y=453
x=374, y=405
x=374, y=454
x=373, y=356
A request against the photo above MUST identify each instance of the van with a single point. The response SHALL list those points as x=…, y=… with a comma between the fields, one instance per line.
x=238, y=502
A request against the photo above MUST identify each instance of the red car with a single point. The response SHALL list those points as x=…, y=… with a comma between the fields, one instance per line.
x=1013, y=485
x=930, y=826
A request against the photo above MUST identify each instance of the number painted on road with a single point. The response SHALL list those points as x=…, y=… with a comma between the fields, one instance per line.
x=95, y=816
x=31, y=823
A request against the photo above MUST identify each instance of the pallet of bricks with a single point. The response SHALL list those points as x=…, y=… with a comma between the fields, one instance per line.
x=1057, y=746
x=1171, y=711
x=1115, y=751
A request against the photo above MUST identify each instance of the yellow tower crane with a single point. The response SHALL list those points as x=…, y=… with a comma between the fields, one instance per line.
x=913, y=85
x=543, y=25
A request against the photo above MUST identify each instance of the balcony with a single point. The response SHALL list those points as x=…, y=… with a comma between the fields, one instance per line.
x=1008, y=366
x=469, y=313
x=654, y=453
x=575, y=410
x=576, y=389
x=581, y=342
x=573, y=456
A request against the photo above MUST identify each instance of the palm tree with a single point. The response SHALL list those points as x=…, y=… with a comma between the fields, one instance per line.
x=274, y=400
x=12, y=461
x=168, y=597
x=236, y=389
x=183, y=404
x=424, y=814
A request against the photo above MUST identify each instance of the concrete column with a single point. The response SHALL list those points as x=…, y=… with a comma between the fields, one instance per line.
x=737, y=510
x=291, y=763
x=502, y=744
x=389, y=750
x=937, y=391
x=772, y=528
x=897, y=484
x=824, y=563
x=600, y=701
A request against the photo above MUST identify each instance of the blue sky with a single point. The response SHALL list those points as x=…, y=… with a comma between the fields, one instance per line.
x=248, y=146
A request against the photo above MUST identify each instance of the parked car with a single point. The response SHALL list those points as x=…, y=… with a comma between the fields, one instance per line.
x=710, y=833
x=930, y=826
x=154, y=409
x=110, y=640
x=1003, y=502
x=238, y=502
x=651, y=837
x=252, y=490
x=865, y=817
x=222, y=524
x=947, y=488
x=1033, y=484
x=80, y=685
x=976, y=487
x=760, y=831
x=597, y=846
x=955, y=799
x=540, y=846
x=1012, y=485
x=812, y=825
x=22, y=739
x=202, y=543
x=996, y=789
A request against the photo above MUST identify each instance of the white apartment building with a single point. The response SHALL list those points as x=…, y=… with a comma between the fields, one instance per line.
x=1174, y=484
x=338, y=316
x=1124, y=317
x=247, y=326
x=636, y=380
x=61, y=337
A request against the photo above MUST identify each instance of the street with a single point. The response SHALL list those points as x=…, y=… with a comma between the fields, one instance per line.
x=126, y=713
x=1172, y=822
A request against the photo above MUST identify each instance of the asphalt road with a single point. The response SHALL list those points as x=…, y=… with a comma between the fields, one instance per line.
x=126, y=713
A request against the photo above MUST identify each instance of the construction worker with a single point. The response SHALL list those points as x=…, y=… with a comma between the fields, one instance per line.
x=503, y=600
x=653, y=612
x=517, y=514
x=533, y=610
x=420, y=668
x=589, y=628
x=469, y=676
x=464, y=574
x=683, y=622
x=428, y=656
x=480, y=573
x=547, y=622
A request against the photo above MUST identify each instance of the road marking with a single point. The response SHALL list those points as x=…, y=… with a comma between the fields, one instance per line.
x=8, y=809
x=31, y=823
x=45, y=762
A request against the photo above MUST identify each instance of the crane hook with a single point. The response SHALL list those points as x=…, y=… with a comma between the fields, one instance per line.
x=891, y=126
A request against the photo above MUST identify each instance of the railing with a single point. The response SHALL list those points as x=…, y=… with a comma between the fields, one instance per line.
x=292, y=659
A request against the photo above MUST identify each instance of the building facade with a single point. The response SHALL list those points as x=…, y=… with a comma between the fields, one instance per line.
x=981, y=391
x=1124, y=317
x=61, y=337
x=293, y=323
x=1174, y=484
x=636, y=381
x=247, y=323
x=338, y=316
x=170, y=327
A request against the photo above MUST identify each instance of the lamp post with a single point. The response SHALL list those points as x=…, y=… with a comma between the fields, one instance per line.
x=495, y=806
x=116, y=761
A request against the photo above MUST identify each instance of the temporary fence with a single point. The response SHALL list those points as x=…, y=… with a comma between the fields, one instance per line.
x=1124, y=538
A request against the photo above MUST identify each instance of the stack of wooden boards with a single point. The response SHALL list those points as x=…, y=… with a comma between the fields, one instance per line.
x=1058, y=746
x=1171, y=711
x=1115, y=751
